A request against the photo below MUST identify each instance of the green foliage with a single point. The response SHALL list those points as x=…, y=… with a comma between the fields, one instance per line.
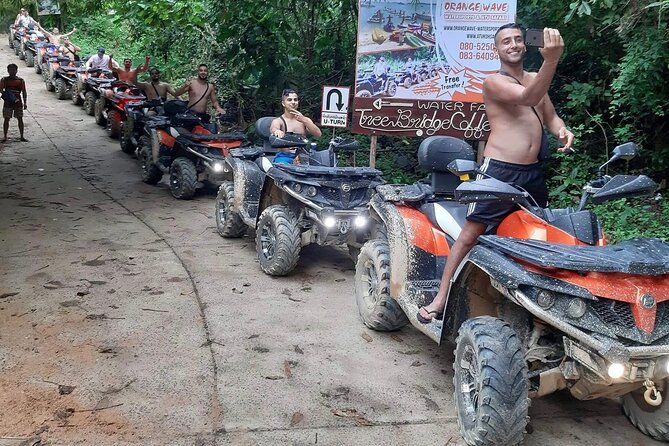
x=610, y=86
x=627, y=219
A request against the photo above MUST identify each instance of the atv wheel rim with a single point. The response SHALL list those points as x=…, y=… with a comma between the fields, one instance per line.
x=175, y=178
x=469, y=382
x=267, y=241
x=145, y=161
x=371, y=283
x=221, y=211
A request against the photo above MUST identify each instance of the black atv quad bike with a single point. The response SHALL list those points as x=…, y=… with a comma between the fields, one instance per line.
x=291, y=205
x=180, y=144
x=132, y=124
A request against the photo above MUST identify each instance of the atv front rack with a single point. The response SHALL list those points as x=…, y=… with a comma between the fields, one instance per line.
x=641, y=256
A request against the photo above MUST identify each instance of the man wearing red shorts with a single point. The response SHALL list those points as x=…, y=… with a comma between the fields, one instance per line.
x=13, y=88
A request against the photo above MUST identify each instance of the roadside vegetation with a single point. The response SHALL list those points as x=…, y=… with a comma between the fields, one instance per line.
x=611, y=86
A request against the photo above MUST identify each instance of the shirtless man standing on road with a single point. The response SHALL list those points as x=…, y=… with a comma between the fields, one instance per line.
x=54, y=36
x=518, y=109
x=127, y=73
x=200, y=91
x=155, y=89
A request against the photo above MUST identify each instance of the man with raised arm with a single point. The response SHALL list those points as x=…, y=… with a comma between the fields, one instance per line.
x=127, y=73
x=54, y=36
x=519, y=112
x=200, y=92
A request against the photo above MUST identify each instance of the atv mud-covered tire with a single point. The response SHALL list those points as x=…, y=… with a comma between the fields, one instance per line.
x=490, y=381
x=11, y=41
x=151, y=174
x=407, y=82
x=30, y=59
x=125, y=139
x=364, y=94
x=651, y=420
x=113, y=124
x=38, y=67
x=75, y=96
x=22, y=52
x=61, y=88
x=100, y=118
x=278, y=240
x=228, y=222
x=183, y=178
x=48, y=84
x=16, y=49
x=377, y=309
x=89, y=103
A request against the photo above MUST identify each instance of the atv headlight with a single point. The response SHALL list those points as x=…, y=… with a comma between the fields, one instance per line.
x=576, y=308
x=297, y=187
x=329, y=221
x=360, y=221
x=310, y=191
x=218, y=167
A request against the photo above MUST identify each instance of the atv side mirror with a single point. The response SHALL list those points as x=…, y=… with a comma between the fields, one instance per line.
x=462, y=168
x=625, y=151
x=344, y=145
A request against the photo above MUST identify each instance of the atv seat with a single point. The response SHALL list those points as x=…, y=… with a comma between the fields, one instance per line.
x=435, y=153
x=213, y=136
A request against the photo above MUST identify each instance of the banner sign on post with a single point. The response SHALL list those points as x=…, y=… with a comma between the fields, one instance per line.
x=334, y=110
x=48, y=7
x=421, y=66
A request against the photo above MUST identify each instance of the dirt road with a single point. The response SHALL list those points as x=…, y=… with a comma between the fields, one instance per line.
x=125, y=319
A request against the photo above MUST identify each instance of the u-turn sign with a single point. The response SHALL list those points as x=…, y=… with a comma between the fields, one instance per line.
x=334, y=110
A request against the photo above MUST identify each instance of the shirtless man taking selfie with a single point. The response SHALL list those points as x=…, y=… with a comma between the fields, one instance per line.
x=518, y=110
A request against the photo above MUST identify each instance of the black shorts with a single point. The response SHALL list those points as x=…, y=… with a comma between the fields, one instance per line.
x=530, y=177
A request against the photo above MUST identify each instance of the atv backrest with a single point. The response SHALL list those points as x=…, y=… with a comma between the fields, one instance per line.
x=262, y=129
x=434, y=155
x=175, y=107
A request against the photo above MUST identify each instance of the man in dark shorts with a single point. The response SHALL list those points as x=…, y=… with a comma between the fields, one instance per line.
x=518, y=110
x=13, y=88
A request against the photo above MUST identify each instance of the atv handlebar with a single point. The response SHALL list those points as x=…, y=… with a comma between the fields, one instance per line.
x=288, y=140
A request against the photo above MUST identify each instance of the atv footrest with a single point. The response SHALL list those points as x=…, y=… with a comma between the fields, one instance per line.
x=424, y=290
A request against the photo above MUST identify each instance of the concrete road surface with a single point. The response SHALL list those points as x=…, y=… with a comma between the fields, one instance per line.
x=126, y=320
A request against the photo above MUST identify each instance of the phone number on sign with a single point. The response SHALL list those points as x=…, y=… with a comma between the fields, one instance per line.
x=478, y=55
x=479, y=46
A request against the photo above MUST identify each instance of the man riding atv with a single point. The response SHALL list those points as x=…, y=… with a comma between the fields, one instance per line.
x=54, y=36
x=156, y=89
x=200, y=92
x=127, y=74
x=291, y=121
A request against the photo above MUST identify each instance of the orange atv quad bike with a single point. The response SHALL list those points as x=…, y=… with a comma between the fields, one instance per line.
x=181, y=144
x=540, y=304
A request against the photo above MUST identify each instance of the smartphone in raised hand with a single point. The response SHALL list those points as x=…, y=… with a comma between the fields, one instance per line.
x=534, y=38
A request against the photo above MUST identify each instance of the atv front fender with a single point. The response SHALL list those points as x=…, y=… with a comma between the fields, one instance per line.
x=248, y=183
x=483, y=277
